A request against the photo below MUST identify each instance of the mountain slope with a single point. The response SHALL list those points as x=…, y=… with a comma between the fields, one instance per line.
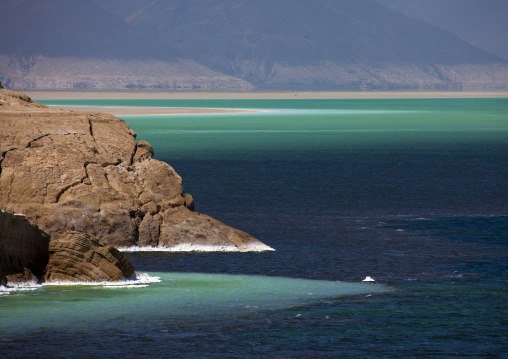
x=78, y=28
x=346, y=44
x=235, y=45
x=69, y=44
x=483, y=23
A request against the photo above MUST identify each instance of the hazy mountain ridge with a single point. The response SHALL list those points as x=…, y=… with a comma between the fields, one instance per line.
x=321, y=44
x=268, y=44
x=483, y=23
x=50, y=44
x=79, y=28
x=45, y=73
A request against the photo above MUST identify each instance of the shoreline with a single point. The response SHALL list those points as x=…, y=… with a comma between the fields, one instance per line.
x=227, y=95
x=247, y=95
x=144, y=111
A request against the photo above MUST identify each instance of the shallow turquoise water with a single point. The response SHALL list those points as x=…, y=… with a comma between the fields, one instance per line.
x=176, y=296
x=411, y=192
x=291, y=127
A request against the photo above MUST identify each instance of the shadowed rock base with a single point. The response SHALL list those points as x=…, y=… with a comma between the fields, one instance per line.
x=23, y=250
x=27, y=256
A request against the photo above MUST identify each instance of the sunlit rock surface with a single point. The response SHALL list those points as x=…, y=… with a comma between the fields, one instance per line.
x=73, y=171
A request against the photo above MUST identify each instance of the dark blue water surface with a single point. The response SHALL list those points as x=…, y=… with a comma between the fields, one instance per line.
x=420, y=204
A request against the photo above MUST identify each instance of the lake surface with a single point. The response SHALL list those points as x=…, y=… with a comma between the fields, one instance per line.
x=413, y=193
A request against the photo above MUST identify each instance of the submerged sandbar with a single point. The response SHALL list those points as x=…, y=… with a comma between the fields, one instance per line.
x=123, y=111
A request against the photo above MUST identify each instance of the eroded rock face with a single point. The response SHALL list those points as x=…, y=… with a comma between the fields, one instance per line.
x=28, y=256
x=79, y=257
x=72, y=171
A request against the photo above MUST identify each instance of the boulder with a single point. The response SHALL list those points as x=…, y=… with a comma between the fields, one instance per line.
x=78, y=171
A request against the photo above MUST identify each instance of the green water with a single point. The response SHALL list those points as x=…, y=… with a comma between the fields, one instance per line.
x=177, y=295
x=290, y=127
x=411, y=192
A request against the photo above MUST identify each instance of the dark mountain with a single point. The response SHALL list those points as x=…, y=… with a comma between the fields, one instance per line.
x=483, y=23
x=125, y=8
x=77, y=44
x=235, y=44
x=78, y=28
x=308, y=43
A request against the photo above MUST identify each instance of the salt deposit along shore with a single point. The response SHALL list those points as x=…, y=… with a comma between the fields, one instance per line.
x=132, y=111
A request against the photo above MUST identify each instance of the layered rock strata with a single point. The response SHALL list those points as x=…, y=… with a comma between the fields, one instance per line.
x=79, y=257
x=28, y=256
x=72, y=171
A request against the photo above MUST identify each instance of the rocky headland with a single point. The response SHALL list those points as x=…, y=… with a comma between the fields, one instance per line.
x=82, y=182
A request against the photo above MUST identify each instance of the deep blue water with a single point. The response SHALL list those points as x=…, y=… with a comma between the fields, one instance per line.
x=411, y=192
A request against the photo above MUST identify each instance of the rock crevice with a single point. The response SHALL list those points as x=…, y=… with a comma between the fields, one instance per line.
x=37, y=139
x=90, y=126
x=66, y=188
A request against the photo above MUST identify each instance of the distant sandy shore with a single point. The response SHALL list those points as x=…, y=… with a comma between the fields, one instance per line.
x=225, y=95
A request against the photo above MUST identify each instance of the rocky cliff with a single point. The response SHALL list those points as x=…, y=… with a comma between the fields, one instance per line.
x=27, y=256
x=84, y=172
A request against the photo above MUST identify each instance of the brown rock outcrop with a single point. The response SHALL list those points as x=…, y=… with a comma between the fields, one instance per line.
x=72, y=171
x=28, y=256
x=79, y=257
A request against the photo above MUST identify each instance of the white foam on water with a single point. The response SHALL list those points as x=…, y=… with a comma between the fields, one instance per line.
x=255, y=247
x=140, y=280
x=183, y=247
x=18, y=288
x=190, y=247
x=145, y=278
